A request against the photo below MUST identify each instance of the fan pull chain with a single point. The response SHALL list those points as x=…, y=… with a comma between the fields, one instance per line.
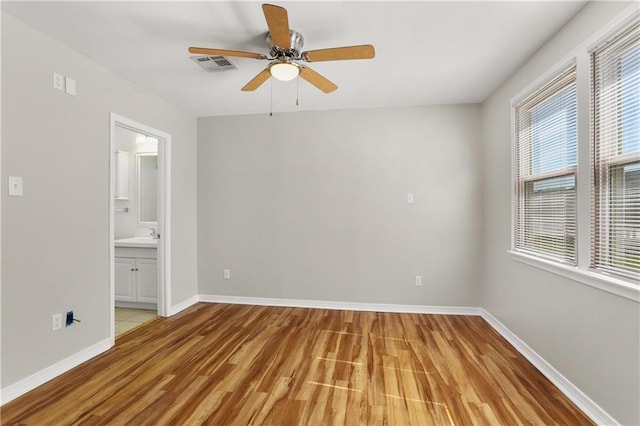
x=271, y=101
x=298, y=91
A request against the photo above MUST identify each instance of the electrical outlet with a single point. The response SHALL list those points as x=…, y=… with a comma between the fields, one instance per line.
x=410, y=197
x=56, y=322
x=70, y=86
x=418, y=280
x=226, y=274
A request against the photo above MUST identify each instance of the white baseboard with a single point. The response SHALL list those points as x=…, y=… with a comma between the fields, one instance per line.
x=344, y=306
x=183, y=305
x=17, y=389
x=571, y=391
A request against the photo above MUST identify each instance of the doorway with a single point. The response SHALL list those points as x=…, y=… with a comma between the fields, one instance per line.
x=139, y=222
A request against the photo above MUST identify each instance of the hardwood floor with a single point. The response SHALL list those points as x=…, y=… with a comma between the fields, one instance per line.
x=232, y=364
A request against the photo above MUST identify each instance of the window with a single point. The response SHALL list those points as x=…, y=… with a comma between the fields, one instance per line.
x=616, y=155
x=576, y=176
x=546, y=165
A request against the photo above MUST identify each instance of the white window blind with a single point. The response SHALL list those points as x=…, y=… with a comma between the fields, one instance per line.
x=545, y=187
x=616, y=155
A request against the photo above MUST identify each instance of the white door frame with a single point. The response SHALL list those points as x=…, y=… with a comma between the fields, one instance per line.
x=164, y=214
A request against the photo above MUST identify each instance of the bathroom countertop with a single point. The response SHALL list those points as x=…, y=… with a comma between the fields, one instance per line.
x=142, y=242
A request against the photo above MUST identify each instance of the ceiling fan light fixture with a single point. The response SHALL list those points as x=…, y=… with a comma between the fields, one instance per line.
x=284, y=71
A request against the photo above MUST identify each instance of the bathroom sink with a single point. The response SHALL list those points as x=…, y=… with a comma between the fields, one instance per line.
x=147, y=242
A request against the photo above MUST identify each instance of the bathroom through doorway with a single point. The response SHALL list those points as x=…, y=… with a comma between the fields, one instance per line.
x=139, y=224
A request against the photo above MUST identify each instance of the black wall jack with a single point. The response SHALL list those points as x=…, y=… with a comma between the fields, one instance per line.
x=71, y=319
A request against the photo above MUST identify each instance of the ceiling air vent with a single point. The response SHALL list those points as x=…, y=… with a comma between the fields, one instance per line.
x=214, y=63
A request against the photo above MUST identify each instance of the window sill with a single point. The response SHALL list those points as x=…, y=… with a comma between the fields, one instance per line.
x=600, y=281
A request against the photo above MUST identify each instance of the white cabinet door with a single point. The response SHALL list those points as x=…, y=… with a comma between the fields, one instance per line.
x=124, y=278
x=147, y=280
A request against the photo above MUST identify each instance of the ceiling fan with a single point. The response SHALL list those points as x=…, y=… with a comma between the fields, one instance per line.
x=285, y=54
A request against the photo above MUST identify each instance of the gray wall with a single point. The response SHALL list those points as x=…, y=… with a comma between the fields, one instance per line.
x=590, y=336
x=55, y=239
x=313, y=205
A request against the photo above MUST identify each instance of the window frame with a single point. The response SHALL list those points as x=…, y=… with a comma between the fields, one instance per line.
x=582, y=273
x=603, y=163
x=519, y=182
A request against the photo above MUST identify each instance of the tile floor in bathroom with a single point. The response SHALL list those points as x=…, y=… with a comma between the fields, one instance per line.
x=128, y=318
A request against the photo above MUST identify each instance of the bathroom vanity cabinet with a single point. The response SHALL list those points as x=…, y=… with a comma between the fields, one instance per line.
x=136, y=275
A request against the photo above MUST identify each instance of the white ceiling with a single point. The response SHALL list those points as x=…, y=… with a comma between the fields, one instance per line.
x=427, y=53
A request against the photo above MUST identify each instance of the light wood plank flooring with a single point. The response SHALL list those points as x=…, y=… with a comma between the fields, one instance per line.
x=231, y=364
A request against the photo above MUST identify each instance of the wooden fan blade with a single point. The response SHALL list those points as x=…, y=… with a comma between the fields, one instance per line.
x=257, y=81
x=365, y=51
x=278, y=23
x=224, y=52
x=317, y=80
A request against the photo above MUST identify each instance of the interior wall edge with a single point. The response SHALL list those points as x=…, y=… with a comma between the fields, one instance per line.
x=181, y=306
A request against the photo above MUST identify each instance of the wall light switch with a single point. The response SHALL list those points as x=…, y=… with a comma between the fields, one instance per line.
x=410, y=197
x=58, y=81
x=15, y=186
x=70, y=86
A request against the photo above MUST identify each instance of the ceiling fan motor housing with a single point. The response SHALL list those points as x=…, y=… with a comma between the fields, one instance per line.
x=297, y=41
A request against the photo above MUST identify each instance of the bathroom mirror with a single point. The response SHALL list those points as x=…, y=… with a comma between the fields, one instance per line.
x=148, y=187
